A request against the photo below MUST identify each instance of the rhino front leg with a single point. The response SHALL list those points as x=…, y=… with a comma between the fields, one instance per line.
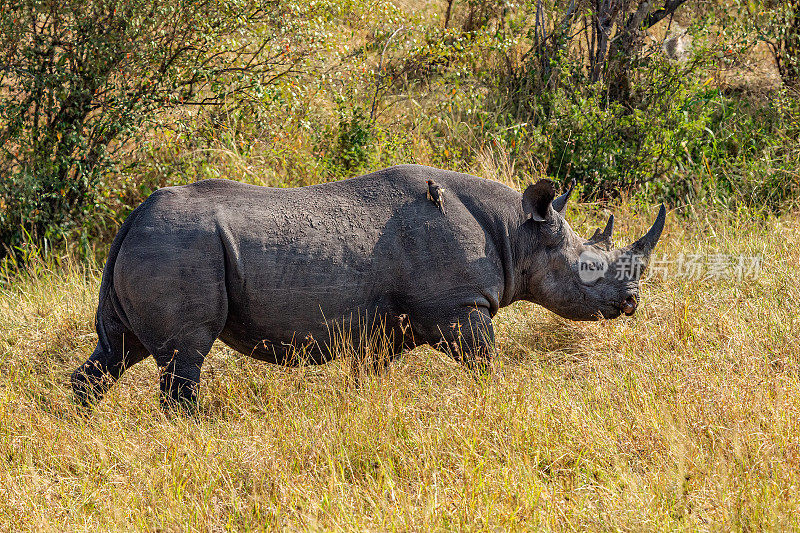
x=469, y=338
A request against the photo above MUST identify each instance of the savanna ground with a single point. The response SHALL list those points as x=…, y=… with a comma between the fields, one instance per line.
x=684, y=416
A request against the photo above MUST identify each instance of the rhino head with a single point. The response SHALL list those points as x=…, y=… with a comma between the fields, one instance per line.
x=575, y=277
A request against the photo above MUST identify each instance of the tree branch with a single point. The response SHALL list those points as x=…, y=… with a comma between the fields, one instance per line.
x=656, y=16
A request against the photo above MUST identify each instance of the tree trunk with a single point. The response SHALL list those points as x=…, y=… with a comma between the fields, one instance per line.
x=787, y=52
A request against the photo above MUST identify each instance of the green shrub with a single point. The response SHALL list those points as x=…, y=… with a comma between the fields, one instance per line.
x=80, y=79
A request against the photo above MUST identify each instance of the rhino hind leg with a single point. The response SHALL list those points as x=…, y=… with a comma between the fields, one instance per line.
x=177, y=306
x=179, y=337
x=180, y=366
x=107, y=363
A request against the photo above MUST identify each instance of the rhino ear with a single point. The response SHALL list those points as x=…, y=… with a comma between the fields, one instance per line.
x=537, y=199
x=560, y=203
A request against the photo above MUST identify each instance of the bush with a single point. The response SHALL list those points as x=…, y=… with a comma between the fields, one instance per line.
x=80, y=78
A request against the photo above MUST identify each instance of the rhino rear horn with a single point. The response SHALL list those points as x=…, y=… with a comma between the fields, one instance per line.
x=646, y=244
x=604, y=237
x=609, y=229
x=560, y=203
x=537, y=199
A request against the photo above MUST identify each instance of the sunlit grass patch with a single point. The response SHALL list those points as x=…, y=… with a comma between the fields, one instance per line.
x=682, y=416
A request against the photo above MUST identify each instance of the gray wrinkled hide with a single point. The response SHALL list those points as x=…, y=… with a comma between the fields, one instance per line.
x=272, y=272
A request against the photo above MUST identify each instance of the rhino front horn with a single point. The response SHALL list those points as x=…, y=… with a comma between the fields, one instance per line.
x=646, y=244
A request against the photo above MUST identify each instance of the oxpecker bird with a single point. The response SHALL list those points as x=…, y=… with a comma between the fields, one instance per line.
x=436, y=194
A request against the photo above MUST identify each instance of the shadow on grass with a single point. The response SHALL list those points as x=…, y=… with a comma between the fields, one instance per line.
x=551, y=341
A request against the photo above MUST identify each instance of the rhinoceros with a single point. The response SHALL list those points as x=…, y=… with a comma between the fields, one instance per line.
x=272, y=272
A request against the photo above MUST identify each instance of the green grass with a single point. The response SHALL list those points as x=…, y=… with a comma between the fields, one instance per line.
x=684, y=416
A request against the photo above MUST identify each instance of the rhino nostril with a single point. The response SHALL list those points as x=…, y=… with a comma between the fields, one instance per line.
x=629, y=305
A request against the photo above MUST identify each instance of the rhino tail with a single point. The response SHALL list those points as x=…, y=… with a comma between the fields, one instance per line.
x=107, y=295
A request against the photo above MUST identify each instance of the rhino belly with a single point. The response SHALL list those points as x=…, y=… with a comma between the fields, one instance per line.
x=308, y=316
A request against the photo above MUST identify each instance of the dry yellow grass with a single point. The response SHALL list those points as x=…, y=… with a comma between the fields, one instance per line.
x=684, y=416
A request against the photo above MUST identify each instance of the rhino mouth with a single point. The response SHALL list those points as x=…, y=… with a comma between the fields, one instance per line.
x=628, y=307
x=612, y=311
